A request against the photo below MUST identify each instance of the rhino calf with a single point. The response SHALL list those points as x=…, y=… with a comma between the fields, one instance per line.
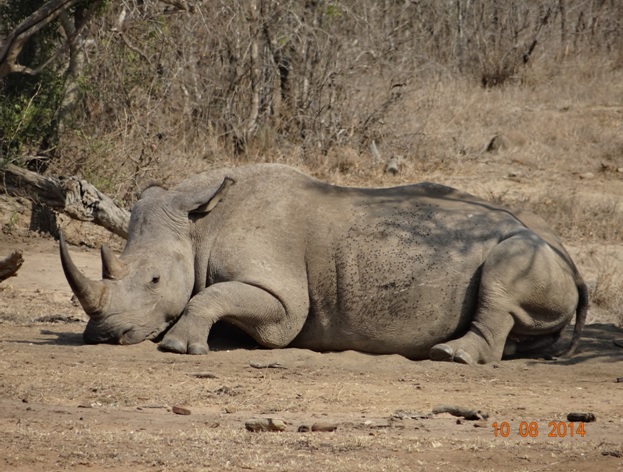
x=423, y=270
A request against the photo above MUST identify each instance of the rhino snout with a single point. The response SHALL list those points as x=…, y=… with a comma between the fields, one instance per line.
x=94, y=334
x=132, y=336
x=136, y=335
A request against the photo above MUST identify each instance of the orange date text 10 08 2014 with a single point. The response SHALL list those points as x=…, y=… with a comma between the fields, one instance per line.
x=556, y=429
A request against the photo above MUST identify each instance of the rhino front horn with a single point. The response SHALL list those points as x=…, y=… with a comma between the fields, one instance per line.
x=88, y=292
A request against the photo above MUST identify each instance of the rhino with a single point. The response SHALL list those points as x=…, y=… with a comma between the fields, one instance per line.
x=424, y=270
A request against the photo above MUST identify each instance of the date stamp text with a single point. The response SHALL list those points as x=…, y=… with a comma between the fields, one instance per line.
x=532, y=429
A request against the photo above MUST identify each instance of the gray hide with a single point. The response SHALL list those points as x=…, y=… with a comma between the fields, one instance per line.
x=420, y=270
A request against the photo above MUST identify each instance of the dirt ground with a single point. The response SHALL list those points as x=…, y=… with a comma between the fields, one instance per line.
x=69, y=406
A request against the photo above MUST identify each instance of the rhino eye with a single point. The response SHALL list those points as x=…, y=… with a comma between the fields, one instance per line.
x=155, y=279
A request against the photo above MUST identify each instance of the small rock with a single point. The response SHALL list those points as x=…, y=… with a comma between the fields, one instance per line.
x=480, y=424
x=581, y=417
x=304, y=428
x=393, y=166
x=324, y=426
x=265, y=424
x=204, y=375
x=230, y=409
x=586, y=176
x=272, y=365
x=180, y=410
x=496, y=143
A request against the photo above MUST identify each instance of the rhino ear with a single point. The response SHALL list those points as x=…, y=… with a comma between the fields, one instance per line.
x=151, y=188
x=204, y=201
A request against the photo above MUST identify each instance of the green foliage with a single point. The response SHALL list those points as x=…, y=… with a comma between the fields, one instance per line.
x=39, y=48
x=27, y=115
x=29, y=103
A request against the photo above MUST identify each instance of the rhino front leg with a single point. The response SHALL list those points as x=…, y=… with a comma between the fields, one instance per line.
x=251, y=308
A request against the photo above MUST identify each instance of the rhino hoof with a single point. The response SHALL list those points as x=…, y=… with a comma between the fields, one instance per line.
x=197, y=349
x=442, y=352
x=172, y=345
x=463, y=357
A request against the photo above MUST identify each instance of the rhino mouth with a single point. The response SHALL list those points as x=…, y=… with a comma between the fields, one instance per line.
x=157, y=334
x=135, y=335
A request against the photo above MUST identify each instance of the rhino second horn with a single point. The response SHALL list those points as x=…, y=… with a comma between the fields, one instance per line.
x=89, y=292
x=112, y=267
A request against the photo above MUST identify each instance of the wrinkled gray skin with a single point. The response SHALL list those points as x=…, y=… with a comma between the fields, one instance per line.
x=421, y=270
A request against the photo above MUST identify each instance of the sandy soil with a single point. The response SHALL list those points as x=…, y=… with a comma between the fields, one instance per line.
x=68, y=406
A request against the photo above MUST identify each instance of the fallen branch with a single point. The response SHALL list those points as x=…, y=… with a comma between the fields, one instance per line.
x=10, y=265
x=467, y=413
x=73, y=196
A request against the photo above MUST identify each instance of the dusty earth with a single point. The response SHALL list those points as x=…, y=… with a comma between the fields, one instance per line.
x=65, y=405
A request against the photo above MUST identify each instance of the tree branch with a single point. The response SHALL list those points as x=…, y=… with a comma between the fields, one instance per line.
x=72, y=196
x=14, y=42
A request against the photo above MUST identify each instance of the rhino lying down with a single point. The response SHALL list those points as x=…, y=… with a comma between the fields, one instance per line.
x=421, y=270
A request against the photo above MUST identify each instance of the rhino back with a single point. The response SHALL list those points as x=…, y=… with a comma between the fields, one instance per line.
x=397, y=270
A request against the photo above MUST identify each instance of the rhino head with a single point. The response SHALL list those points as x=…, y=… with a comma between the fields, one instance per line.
x=146, y=288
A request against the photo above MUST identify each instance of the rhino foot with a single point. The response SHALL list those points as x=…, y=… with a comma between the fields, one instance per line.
x=445, y=353
x=197, y=349
x=442, y=352
x=171, y=344
x=462, y=357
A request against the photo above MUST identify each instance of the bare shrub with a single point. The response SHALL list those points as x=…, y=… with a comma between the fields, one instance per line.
x=606, y=291
x=196, y=84
x=575, y=216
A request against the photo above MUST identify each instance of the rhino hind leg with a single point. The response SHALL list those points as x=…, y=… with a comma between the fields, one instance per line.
x=248, y=307
x=483, y=343
x=524, y=286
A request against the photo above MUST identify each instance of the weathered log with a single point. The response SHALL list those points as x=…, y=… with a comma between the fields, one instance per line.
x=10, y=265
x=73, y=196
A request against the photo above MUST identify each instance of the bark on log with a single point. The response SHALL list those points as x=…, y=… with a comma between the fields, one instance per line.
x=70, y=195
x=10, y=265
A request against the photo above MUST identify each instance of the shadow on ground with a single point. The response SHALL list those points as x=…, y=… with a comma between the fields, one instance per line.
x=597, y=344
x=600, y=342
